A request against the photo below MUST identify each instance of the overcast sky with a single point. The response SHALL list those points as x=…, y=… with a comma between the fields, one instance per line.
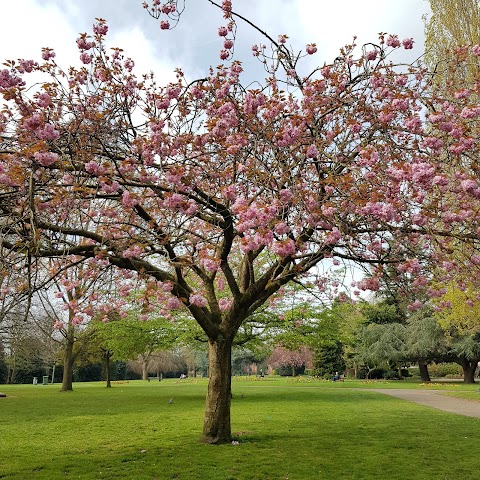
x=28, y=25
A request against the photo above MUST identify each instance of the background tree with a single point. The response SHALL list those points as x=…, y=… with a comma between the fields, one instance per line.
x=293, y=359
x=329, y=359
x=452, y=23
x=425, y=341
x=382, y=346
x=458, y=316
x=131, y=339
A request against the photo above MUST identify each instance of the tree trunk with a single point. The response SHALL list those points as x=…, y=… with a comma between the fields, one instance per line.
x=293, y=370
x=68, y=359
x=216, y=425
x=10, y=375
x=11, y=370
x=107, y=370
x=423, y=368
x=144, y=369
x=469, y=368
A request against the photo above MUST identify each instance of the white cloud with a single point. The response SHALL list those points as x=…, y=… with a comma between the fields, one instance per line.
x=137, y=46
x=333, y=24
x=26, y=27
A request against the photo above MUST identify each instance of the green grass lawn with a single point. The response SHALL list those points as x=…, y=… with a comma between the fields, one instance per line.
x=287, y=429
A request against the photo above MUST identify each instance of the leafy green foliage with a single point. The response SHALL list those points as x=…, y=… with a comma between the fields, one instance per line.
x=382, y=312
x=328, y=360
x=127, y=338
x=425, y=338
x=381, y=345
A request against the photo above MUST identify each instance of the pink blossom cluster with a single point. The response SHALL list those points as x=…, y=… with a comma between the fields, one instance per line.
x=48, y=132
x=100, y=28
x=422, y=173
x=312, y=151
x=464, y=144
x=86, y=58
x=44, y=131
x=332, y=237
x=129, y=200
x=210, y=264
x=235, y=143
x=44, y=100
x=132, y=252
x=370, y=283
x=83, y=43
x=288, y=136
x=45, y=158
x=48, y=54
x=173, y=303
x=225, y=304
x=7, y=80
x=253, y=101
x=95, y=169
x=198, y=300
x=226, y=118
x=434, y=143
x=470, y=112
x=27, y=66
x=284, y=248
x=410, y=266
x=380, y=210
x=367, y=157
x=227, y=6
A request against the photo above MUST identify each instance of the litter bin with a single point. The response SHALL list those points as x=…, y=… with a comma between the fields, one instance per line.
x=35, y=380
x=45, y=379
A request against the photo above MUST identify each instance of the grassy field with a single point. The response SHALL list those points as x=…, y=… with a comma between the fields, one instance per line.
x=287, y=430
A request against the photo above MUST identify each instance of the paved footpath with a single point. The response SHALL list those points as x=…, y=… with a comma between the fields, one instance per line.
x=435, y=399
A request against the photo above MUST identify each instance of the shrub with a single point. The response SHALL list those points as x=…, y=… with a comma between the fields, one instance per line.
x=375, y=374
x=440, y=370
x=415, y=371
x=391, y=375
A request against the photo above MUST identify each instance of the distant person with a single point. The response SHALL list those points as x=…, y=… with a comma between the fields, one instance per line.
x=261, y=373
x=336, y=377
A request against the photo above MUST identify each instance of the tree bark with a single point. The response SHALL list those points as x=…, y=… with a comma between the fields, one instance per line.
x=10, y=375
x=216, y=426
x=107, y=370
x=11, y=370
x=469, y=367
x=145, y=367
x=423, y=368
x=68, y=360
